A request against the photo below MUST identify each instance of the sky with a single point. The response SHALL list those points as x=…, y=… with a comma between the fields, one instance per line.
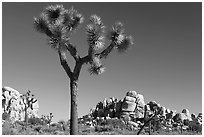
x=164, y=64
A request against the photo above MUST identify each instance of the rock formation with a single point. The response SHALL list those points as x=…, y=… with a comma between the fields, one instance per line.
x=13, y=105
x=133, y=110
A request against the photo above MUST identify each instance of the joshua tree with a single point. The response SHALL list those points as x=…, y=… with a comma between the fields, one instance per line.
x=43, y=119
x=63, y=124
x=49, y=118
x=147, y=120
x=58, y=23
x=28, y=100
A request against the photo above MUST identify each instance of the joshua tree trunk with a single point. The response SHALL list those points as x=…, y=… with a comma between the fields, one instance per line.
x=145, y=123
x=26, y=118
x=74, y=114
x=181, y=128
x=150, y=128
x=73, y=76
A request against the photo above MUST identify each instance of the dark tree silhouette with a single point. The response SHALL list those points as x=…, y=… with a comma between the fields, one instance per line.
x=49, y=118
x=28, y=100
x=148, y=119
x=58, y=24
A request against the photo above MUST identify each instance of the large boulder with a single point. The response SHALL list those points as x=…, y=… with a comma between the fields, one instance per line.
x=163, y=111
x=13, y=105
x=131, y=94
x=130, y=99
x=180, y=117
x=140, y=101
x=128, y=106
x=140, y=106
x=187, y=114
x=152, y=105
x=133, y=103
x=199, y=118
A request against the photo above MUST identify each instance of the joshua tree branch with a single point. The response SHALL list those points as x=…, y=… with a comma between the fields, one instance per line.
x=106, y=51
x=77, y=69
x=63, y=61
x=103, y=54
x=85, y=59
x=72, y=50
x=146, y=123
x=91, y=51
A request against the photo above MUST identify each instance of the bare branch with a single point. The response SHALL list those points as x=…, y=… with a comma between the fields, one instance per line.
x=63, y=61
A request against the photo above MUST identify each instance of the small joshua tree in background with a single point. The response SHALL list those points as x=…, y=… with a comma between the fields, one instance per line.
x=148, y=119
x=58, y=23
x=28, y=100
x=43, y=119
x=49, y=119
x=63, y=124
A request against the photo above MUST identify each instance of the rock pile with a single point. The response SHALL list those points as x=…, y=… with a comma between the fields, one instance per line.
x=133, y=105
x=135, y=112
x=13, y=105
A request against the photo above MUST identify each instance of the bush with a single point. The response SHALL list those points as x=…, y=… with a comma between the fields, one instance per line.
x=5, y=116
x=106, y=128
x=62, y=124
x=193, y=126
x=21, y=123
x=7, y=129
x=35, y=121
x=50, y=130
x=38, y=128
x=186, y=122
x=116, y=123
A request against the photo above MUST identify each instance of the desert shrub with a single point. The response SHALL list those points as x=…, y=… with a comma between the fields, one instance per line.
x=20, y=123
x=186, y=122
x=5, y=116
x=54, y=125
x=50, y=130
x=106, y=128
x=7, y=129
x=156, y=124
x=116, y=123
x=35, y=121
x=28, y=131
x=62, y=125
x=193, y=126
x=38, y=128
x=57, y=126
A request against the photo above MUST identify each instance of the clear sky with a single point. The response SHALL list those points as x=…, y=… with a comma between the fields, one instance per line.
x=165, y=63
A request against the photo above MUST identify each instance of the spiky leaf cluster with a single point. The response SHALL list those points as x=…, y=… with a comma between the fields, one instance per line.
x=57, y=23
x=120, y=39
x=95, y=32
x=96, y=41
x=96, y=66
x=72, y=19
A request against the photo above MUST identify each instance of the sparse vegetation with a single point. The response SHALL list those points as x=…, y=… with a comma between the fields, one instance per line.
x=112, y=127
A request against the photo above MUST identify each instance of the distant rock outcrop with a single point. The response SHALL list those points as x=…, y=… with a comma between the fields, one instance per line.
x=133, y=104
x=13, y=105
x=133, y=110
